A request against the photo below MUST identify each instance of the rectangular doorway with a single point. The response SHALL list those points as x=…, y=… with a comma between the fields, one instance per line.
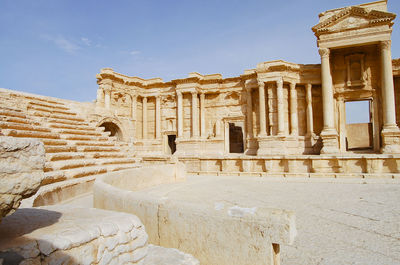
x=359, y=129
x=171, y=143
x=235, y=139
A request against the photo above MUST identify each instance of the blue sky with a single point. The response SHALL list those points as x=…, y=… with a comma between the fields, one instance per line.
x=56, y=47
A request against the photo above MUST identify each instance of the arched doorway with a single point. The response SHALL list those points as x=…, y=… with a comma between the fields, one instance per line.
x=114, y=129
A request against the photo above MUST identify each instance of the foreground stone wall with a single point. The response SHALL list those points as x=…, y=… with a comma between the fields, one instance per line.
x=227, y=235
x=21, y=171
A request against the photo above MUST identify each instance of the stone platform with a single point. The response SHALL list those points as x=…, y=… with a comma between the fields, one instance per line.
x=339, y=221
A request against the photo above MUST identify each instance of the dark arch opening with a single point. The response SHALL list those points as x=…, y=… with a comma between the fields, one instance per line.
x=113, y=129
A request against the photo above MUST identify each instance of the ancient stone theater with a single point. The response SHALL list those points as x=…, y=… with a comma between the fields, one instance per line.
x=142, y=139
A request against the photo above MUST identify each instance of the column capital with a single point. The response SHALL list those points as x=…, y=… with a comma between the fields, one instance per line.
x=179, y=93
x=279, y=82
x=202, y=95
x=261, y=83
x=308, y=86
x=194, y=93
x=292, y=85
x=324, y=52
x=385, y=45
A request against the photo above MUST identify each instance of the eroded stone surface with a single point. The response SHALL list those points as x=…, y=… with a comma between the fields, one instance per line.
x=58, y=234
x=157, y=255
x=21, y=171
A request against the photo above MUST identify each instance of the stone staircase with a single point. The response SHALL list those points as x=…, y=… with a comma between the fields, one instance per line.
x=74, y=147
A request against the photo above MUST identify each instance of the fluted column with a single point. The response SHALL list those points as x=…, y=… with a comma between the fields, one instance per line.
x=144, y=117
x=249, y=114
x=389, y=111
x=202, y=115
x=263, y=121
x=281, y=114
x=195, y=115
x=107, y=98
x=309, y=110
x=179, y=114
x=294, y=123
x=327, y=91
x=158, y=117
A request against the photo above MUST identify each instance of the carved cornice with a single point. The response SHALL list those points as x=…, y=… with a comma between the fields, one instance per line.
x=374, y=16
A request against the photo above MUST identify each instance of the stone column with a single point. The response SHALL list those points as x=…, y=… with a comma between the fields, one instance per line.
x=195, y=116
x=389, y=111
x=144, y=110
x=270, y=89
x=158, y=117
x=263, y=122
x=179, y=114
x=203, y=115
x=281, y=114
x=249, y=114
x=100, y=97
x=134, y=107
x=310, y=120
x=327, y=90
x=390, y=131
x=342, y=123
x=107, y=99
x=329, y=134
x=294, y=123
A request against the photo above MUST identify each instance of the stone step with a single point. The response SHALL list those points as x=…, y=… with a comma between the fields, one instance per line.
x=68, y=122
x=97, y=149
x=94, y=143
x=64, y=156
x=22, y=127
x=113, y=161
x=54, y=142
x=65, y=175
x=44, y=114
x=48, y=105
x=76, y=127
x=30, y=134
x=19, y=120
x=59, y=149
x=108, y=155
x=12, y=113
x=85, y=171
x=69, y=164
x=51, y=110
x=40, y=100
x=79, y=132
x=84, y=137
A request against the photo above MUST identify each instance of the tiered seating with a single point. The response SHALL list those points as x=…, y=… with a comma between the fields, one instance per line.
x=74, y=147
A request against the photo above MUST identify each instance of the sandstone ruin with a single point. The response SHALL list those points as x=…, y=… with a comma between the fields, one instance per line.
x=279, y=119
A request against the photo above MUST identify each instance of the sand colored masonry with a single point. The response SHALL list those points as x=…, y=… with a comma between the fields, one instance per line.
x=279, y=119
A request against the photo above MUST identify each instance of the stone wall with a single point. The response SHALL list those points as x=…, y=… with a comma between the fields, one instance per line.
x=230, y=235
x=21, y=171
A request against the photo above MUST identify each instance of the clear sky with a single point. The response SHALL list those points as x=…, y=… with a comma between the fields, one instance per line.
x=56, y=47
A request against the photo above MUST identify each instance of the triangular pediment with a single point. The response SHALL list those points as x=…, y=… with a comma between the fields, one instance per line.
x=354, y=17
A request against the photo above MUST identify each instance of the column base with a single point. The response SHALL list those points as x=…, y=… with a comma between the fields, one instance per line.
x=390, y=140
x=330, y=141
